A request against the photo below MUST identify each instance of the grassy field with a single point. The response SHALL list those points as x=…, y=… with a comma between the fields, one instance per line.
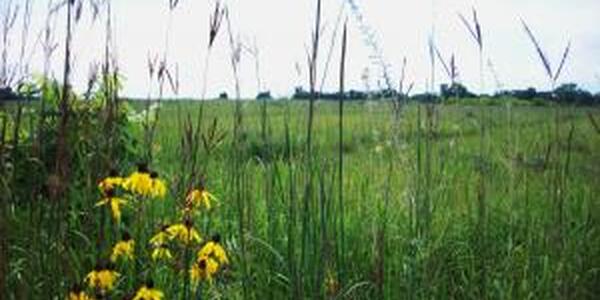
x=448, y=201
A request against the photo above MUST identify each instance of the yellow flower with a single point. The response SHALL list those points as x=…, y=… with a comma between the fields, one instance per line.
x=109, y=183
x=145, y=183
x=161, y=252
x=184, y=233
x=139, y=183
x=159, y=188
x=123, y=249
x=203, y=269
x=215, y=250
x=78, y=295
x=102, y=279
x=114, y=203
x=200, y=198
x=160, y=238
x=147, y=292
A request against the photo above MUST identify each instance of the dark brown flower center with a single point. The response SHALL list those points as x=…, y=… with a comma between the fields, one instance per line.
x=110, y=192
x=150, y=283
x=202, y=264
x=216, y=238
x=113, y=173
x=143, y=168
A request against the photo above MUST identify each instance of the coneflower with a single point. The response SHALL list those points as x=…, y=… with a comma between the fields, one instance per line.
x=123, y=249
x=213, y=249
x=200, y=198
x=158, y=186
x=113, y=202
x=110, y=183
x=184, y=233
x=148, y=292
x=102, y=278
x=140, y=182
x=77, y=293
x=203, y=269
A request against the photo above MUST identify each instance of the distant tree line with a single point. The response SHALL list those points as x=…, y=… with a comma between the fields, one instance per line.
x=566, y=93
x=301, y=94
x=6, y=93
x=569, y=93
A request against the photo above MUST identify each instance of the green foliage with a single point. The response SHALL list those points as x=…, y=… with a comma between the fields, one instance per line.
x=491, y=101
x=28, y=166
x=281, y=249
x=455, y=90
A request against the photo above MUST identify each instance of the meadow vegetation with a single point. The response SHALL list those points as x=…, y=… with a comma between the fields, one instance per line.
x=388, y=247
x=107, y=198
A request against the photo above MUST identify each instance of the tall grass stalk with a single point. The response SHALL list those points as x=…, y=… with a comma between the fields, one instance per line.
x=558, y=186
x=341, y=211
x=482, y=163
x=4, y=259
x=312, y=67
x=110, y=80
x=244, y=211
x=61, y=162
x=307, y=206
x=4, y=208
x=331, y=46
x=424, y=166
x=216, y=19
x=372, y=43
x=295, y=291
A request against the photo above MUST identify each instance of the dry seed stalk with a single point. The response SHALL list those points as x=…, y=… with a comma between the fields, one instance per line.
x=552, y=75
x=331, y=47
x=215, y=20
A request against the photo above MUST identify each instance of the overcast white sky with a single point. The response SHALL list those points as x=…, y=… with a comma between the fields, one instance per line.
x=281, y=29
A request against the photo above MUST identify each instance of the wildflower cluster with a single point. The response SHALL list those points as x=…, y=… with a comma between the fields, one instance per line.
x=208, y=261
x=142, y=183
x=161, y=242
x=210, y=256
x=169, y=247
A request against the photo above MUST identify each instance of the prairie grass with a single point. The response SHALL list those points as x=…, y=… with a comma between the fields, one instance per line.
x=329, y=200
x=377, y=183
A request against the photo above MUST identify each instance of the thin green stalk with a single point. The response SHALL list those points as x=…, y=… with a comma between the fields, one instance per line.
x=321, y=243
x=313, y=78
x=295, y=290
x=341, y=262
x=186, y=276
x=308, y=189
x=4, y=259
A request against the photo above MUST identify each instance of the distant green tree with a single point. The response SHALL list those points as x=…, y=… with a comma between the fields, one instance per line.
x=264, y=96
x=300, y=93
x=455, y=90
x=7, y=94
x=571, y=93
